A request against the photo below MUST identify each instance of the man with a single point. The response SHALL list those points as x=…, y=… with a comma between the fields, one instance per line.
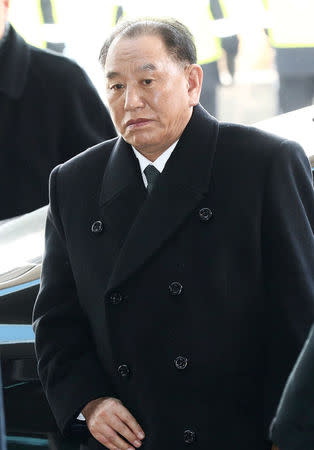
x=49, y=112
x=291, y=34
x=171, y=315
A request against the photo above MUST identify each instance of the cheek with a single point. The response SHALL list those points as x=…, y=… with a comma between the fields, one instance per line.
x=156, y=98
x=161, y=104
x=116, y=111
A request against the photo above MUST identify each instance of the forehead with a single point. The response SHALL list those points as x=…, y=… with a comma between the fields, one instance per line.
x=145, y=51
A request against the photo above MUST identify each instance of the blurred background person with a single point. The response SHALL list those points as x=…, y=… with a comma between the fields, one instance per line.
x=229, y=41
x=200, y=19
x=38, y=22
x=291, y=34
x=49, y=112
x=210, y=50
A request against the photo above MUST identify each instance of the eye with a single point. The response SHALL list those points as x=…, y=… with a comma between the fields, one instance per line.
x=116, y=87
x=147, y=81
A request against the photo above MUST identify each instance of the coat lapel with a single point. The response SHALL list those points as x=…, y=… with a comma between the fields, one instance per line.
x=122, y=192
x=179, y=189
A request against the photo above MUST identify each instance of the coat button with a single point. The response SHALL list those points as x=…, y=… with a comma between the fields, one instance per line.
x=181, y=362
x=124, y=370
x=175, y=288
x=189, y=436
x=115, y=298
x=205, y=214
x=97, y=226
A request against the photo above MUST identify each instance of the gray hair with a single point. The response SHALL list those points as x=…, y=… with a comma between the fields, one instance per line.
x=175, y=35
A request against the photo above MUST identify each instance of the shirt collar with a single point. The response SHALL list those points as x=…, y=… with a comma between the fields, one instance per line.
x=159, y=163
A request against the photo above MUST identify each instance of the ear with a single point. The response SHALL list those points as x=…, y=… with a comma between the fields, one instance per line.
x=194, y=76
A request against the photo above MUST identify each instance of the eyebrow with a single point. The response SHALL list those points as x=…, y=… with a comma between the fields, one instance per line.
x=111, y=75
x=145, y=67
x=148, y=66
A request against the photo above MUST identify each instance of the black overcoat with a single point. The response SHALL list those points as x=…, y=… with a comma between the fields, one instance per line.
x=190, y=304
x=293, y=425
x=49, y=112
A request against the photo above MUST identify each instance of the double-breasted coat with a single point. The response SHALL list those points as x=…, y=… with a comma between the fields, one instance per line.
x=189, y=304
x=49, y=112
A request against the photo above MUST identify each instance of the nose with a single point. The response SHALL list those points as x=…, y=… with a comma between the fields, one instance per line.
x=133, y=98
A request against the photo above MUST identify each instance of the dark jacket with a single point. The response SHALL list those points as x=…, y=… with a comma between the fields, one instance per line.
x=191, y=304
x=49, y=112
x=293, y=425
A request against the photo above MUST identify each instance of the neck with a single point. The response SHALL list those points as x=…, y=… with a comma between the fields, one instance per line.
x=4, y=33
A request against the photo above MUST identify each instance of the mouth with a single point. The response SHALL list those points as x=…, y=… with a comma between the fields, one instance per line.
x=137, y=123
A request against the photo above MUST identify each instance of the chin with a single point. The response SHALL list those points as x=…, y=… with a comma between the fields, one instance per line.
x=141, y=143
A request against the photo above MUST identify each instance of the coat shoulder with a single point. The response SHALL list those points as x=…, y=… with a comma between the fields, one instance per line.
x=81, y=175
x=247, y=137
x=243, y=144
x=51, y=65
x=94, y=158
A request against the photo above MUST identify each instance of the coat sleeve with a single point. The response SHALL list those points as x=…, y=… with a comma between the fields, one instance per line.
x=288, y=265
x=68, y=367
x=293, y=425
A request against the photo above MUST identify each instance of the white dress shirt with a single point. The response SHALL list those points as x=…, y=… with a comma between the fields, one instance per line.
x=159, y=163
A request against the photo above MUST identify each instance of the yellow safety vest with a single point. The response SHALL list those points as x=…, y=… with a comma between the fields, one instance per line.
x=197, y=18
x=27, y=17
x=291, y=23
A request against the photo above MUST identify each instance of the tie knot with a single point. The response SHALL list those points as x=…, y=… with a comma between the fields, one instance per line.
x=151, y=174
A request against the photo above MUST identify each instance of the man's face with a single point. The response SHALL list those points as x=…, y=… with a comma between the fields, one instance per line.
x=4, y=6
x=149, y=93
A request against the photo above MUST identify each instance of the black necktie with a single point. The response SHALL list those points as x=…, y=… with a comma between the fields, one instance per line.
x=151, y=174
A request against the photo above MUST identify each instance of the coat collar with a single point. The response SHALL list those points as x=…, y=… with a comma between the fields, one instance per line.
x=121, y=172
x=14, y=63
x=122, y=192
x=143, y=223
